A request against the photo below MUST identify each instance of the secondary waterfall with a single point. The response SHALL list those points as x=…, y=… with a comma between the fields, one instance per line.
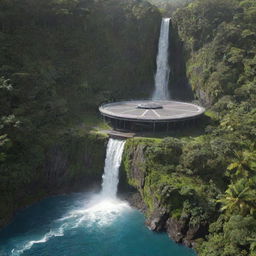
x=111, y=170
x=163, y=68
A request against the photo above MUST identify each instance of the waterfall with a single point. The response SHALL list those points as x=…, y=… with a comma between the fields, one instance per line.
x=163, y=69
x=111, y=170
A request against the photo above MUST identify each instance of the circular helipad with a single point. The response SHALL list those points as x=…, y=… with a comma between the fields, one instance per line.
x=151, y=111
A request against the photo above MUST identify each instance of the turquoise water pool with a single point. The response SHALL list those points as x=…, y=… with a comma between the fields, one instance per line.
x=76, y=225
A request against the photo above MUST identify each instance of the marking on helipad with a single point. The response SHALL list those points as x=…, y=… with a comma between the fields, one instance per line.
x=155, y=113
x=145, y=112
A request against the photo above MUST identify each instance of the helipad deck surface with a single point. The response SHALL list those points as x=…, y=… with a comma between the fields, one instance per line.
x=161, y=111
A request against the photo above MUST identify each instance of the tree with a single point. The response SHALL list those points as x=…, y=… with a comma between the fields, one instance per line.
x=239, y=198
x=245, y=163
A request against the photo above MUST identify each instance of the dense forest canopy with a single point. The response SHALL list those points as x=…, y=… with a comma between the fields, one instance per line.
x=167, y=7
x=219, y=38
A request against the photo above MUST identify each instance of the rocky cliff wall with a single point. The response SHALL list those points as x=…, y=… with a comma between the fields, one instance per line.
x=174, y=201
x=73, y=163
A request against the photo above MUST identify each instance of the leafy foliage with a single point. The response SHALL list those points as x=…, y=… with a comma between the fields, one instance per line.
x=239, y=198
x=167, y=7
x=219, y=38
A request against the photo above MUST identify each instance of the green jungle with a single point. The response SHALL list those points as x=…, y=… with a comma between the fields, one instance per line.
x=59, y=62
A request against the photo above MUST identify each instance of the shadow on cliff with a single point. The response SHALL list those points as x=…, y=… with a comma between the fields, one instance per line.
x=179, y=85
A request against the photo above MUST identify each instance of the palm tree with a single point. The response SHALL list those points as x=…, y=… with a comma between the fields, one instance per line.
x=239, y=198
x=244, y=164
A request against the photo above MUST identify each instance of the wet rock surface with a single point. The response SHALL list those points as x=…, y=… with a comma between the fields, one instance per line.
x=177, y=229
x=135, y=200
x=181, y=231
x=157, y=221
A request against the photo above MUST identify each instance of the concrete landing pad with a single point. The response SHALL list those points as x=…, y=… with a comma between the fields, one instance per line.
x=169, y=110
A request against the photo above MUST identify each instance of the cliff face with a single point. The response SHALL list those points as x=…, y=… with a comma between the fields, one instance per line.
x=73, y=163
x=179, y=85
x=176, y=202
x=216, y=55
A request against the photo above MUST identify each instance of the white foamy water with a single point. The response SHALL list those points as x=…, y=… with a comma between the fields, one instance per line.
x=100, y=210
x=97, y=213
x=163, y=69
x=28, y=245
x=111, y=170
x=101, y=213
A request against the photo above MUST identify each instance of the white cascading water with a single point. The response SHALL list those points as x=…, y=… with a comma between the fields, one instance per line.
x=163, y=69
x=111, y=170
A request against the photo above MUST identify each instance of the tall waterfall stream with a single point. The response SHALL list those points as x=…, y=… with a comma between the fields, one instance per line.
x=112, y=163
x=163, y=69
